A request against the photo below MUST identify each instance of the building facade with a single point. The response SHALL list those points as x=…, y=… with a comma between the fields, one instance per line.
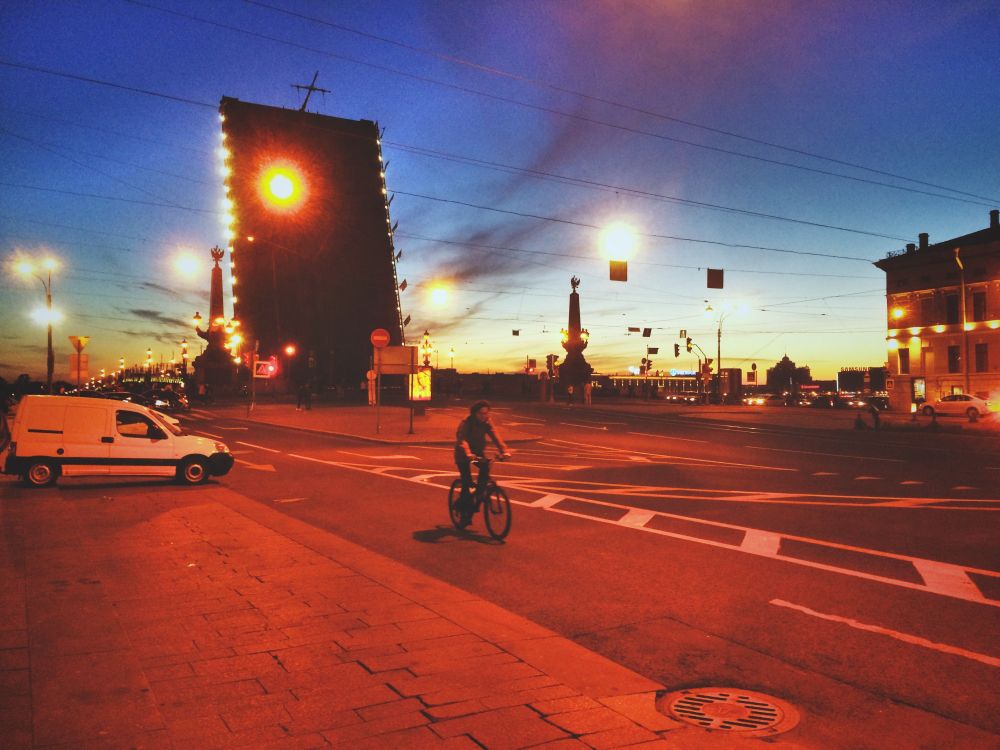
x=311, y=241
x=943, y=318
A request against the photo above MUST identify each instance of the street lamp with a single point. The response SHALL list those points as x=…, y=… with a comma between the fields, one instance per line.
x=425, y=348
x=451, y=358
x=27, y=268
x=965, y=320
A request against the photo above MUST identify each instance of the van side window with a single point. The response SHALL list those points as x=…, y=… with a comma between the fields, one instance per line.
x=132, y=424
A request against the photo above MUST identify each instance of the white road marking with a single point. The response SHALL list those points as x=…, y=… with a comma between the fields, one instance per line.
x=826, y=455
x=947, y=579
x=636, y=518
x=291, y=500
x=240, y=453
x=547, y=501
x=761, y=542
x=756, y=545
x=911, y=481
x=668, y=437
x=864, y=478
x=640, y=459
x=258, y=447
x=825, y=474
x=687, y=459
x=366, y=455
x=209, y=434
x=585, y=426
x=963, y=487
x=905, y=637
x=233, y=428
x=258, y=467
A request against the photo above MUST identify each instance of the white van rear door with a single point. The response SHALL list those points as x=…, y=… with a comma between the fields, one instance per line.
x=85, y=446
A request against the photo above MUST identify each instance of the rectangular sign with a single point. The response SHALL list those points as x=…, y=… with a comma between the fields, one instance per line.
x=263, y=369
x=78, y=365
x=396, y=360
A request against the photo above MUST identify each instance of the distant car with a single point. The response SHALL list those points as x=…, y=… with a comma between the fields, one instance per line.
x=167, y=401
x=754, y=400
x=958, y=404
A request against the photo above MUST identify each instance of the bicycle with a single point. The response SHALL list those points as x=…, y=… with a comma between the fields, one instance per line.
x=491, y=498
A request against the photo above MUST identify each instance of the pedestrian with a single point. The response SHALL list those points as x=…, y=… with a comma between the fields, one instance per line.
x=876, y=419
x=569, y=395
x=304, y=397
x=588, y=393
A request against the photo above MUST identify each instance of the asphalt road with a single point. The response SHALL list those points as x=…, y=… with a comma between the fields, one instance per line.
x=854, y=575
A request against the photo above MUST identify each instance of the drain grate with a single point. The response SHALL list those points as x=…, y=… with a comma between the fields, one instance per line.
x=739, y=711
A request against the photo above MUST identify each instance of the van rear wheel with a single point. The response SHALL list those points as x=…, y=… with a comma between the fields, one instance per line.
x=41, y=474
x=192, y=471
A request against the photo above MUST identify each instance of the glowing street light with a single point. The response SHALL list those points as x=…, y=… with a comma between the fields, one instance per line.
x=48, y=316
x=187, y=265
x=439, y=295
x=618, y=242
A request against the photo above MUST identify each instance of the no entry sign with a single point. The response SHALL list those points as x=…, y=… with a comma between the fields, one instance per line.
x=380, y=338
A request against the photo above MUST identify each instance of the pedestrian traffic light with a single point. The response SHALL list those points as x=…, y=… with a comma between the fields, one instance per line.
x=550, y=363
x=689, y=344
x=677, y=350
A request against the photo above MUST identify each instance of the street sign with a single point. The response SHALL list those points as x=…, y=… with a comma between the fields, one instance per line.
x=379, y=338
x=263, y=369
x=79, y=342
x=396, y=360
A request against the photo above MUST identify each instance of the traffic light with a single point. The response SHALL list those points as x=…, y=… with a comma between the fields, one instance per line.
x=689, y=344
x=550, y=364
x=677, y=350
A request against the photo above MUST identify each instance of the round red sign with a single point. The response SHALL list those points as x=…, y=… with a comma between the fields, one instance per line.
x=380, y=338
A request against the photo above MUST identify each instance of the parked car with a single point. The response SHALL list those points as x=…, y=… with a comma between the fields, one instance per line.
x=958, y=404
x=166, y=401
x=55, y=436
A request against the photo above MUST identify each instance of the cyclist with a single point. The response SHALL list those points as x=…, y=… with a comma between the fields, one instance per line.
x=470, y=444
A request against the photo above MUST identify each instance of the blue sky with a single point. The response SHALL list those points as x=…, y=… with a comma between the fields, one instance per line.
x=584, y=113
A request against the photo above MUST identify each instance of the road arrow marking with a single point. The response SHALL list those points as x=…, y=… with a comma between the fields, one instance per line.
x=947, y=579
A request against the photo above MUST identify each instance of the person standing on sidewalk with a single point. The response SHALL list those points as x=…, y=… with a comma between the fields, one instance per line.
x=470, y=444
x=304, y=397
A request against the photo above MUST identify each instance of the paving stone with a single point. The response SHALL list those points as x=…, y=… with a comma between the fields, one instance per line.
x=616, y=738
x=258, y=716
x=641, y=708
x=401, y=613
x=566, y=744
x=503, y=728
x=525, y=697
x=17, y=638
x=311, y=656
x=13, y=658
x=589, y=720
x=562, y=705
x=247, y=666
x=392, y=708
x=354, y=733
x=451, y=710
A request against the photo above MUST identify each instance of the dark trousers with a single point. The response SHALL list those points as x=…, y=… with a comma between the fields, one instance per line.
x=465, y=469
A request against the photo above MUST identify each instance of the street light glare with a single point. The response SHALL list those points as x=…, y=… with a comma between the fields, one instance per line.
x=618, y=241
x=44, y=316
x=25, y=268
x=439, y=295
x=50, y=264
x=282, y=186
x=186, y=264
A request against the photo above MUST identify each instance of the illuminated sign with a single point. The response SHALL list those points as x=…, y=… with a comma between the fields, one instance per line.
x=682, y=373
x=420, y=385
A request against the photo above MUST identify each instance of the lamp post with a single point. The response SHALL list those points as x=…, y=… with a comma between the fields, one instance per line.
x=27, y=268
x=426, y=348
x=451, y=358
x=965, y=320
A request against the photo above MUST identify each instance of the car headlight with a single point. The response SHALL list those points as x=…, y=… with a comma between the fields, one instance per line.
x=221, y=448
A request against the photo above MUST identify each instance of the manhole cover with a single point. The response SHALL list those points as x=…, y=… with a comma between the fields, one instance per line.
x=747, y=713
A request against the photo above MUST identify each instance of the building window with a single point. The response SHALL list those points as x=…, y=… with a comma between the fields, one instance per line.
x=954, y=358
x=904, y=361
x=982, y=357
x=951, y=308
x=979, y=305
x=927, y=316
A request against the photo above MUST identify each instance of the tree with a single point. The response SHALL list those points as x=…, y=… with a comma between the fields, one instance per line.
x=786, y=376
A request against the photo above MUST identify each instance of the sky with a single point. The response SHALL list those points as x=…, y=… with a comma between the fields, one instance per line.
x=790, y=144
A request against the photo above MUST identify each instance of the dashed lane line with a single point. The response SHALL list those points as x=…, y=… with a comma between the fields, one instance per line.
x=938, y=578
x=898, y=635
x=825, y=455
x=367, y=455
x=585, y=426
x=258, y=447
x=684, y=459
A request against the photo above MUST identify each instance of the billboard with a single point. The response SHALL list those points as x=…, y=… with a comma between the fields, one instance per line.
x=311, y=240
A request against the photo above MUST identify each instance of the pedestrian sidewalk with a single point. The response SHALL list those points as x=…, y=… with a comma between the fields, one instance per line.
x=436, y=426
x=200, y=619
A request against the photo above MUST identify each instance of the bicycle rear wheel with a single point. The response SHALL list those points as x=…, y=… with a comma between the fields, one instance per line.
x=496, y=510
x=454, y=512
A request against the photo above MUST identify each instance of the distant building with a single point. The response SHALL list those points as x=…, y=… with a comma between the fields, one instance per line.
x=861, y=379
x=940, y=343
x=311, y=243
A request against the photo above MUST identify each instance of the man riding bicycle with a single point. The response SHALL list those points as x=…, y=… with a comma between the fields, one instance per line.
x=470, y=445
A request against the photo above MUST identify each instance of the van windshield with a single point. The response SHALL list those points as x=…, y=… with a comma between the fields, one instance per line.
x=166, y=423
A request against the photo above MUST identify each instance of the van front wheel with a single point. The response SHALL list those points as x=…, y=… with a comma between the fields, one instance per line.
x=41, y=474
x=192, y=471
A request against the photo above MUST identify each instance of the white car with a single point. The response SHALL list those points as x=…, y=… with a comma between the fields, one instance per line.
x=958, y=404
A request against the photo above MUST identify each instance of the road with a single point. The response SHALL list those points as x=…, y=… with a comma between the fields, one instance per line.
x=854, y=575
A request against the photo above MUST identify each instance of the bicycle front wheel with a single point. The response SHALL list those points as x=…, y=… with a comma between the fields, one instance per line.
x=497, y=512
x=454, y=495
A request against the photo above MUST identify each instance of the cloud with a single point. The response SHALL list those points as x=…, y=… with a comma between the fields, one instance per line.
x=157, y=317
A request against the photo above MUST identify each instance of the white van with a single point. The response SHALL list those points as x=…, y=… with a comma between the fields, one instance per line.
x=70, y=436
